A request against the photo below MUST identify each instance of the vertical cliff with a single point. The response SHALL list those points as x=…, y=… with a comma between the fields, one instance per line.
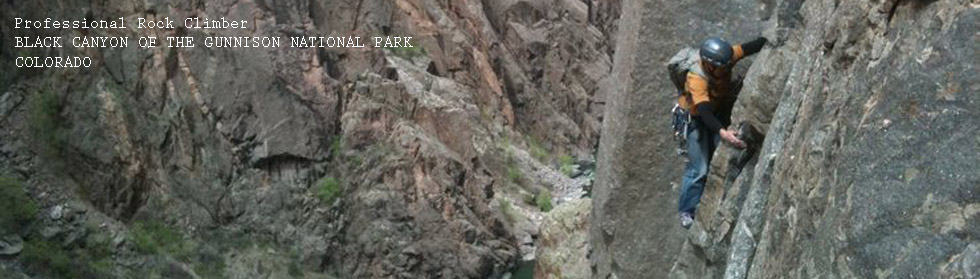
x=864, y=166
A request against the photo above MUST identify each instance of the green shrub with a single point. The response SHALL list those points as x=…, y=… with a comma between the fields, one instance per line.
x=155, y=238
x=565, y=164
x=537, y=151
x=328, y=190
x=543, y=200
x=98, y=246
x=230, y=240
x=409, y=53
x=210, y=264
x=46, y=257
x=335, y=147
x=295, y=270
x=94, y=260
x=515, y=175
x=45, y=125
x=16, y=208
x=98, y=254
x=355, y=160
x=101, y=266
x=508, y=210
x=485, y=114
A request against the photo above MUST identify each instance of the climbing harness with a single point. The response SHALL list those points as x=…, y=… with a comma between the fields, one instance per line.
x=681, y=121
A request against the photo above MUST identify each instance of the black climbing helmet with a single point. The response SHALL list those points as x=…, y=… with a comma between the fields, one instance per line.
x=716, y=51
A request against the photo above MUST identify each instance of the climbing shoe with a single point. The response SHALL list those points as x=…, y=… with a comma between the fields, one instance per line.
x=687, y=219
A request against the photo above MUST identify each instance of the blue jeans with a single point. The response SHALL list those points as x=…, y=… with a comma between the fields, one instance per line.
x=701, y=144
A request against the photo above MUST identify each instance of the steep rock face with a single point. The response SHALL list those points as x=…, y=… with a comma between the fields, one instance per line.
x=231, y=141
x=551, y=63
x=865, y=110
x=878, y=169
x=415, y=206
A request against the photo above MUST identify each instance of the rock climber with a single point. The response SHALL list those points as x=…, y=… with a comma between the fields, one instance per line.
x=707, y=90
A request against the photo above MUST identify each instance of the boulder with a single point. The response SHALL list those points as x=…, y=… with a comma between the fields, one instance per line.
x=564, y=242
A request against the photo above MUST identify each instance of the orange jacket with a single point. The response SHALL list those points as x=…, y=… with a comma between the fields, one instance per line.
x=714, y=90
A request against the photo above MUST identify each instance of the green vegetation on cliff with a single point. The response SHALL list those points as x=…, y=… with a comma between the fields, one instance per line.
x=154, y=238
x=328, y=190
x=92, y=259
x=16, y=208
x=45, y=124
x=543, y=200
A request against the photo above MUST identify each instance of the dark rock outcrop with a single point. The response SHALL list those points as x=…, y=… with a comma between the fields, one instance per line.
x=864, y=170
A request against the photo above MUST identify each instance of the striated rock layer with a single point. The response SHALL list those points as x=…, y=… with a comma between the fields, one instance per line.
x=866, y=166
x=349, y=163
